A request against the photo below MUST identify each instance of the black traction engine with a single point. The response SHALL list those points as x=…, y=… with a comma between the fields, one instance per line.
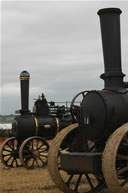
x=98, y=153
x=32, y=131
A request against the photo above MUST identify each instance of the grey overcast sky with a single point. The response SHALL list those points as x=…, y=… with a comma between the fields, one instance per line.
x=58, y=43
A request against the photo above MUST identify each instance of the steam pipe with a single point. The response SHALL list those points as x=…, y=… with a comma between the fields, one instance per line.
x=24, y=84
x=110, y=31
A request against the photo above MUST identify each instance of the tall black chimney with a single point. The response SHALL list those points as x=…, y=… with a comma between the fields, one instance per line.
x=24, y=83
x=110, y=31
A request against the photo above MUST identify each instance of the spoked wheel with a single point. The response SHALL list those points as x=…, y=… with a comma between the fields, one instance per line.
x=75, y=105
x=65, y=181
x=33, y=152
x=10, y=153
x=115, y=161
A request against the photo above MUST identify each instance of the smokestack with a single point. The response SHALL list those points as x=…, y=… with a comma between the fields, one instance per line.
x=110, y=31
x=24, y=83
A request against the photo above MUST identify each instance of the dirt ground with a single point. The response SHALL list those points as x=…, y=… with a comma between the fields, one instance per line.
x=21, y=180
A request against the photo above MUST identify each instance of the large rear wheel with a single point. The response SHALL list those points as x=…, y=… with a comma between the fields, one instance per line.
x=68, y=141
x=115, y=161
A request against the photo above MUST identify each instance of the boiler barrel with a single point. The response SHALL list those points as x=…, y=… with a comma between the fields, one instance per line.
x=27, y=126
x=106, y=110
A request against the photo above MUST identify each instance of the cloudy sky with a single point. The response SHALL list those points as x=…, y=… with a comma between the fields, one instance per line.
x=58, y=43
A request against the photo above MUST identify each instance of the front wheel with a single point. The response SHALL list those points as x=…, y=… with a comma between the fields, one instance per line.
x=33, y=152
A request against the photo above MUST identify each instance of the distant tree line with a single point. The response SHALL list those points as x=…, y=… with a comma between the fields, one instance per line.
x=6, y=118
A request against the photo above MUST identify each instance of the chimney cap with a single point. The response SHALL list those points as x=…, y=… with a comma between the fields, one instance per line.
x=24, y=75
x=109, y=11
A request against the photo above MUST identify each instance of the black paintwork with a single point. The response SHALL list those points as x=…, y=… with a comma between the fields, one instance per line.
x=102, y=111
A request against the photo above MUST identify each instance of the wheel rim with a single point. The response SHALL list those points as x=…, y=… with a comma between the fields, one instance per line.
x=10, y=153
x=70, y=183
x=33, y=153
x=115, y=161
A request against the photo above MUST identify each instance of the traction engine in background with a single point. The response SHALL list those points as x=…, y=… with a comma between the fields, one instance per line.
x=31, y=131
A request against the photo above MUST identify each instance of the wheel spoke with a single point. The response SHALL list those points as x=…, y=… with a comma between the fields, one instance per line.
x=28, y=146
x=37, y=162
x=41, y=161
x=43, y=151
x=122, y=157
x=89, y=181
x=125, y=181
x=6, y=155
x=4, y=149
x=120, y=171
x=32, y=145
x=16, y=162
x=92, y=148
x=69, y=180
x=77, y=183
x=33, y=162
x=12, y=163
x=41, y=146
x=43, y=156
x=13, y=146
x=8, y=159
x=9, y=146
x=37, y=144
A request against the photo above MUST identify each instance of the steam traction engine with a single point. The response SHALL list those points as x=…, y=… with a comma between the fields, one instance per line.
x=98, y=153
x=30, y=130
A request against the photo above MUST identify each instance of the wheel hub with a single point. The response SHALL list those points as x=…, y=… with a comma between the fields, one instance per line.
x=15, y=154
x=36, y=154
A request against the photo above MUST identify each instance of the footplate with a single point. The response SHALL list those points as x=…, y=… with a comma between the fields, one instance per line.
x=81, y=162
